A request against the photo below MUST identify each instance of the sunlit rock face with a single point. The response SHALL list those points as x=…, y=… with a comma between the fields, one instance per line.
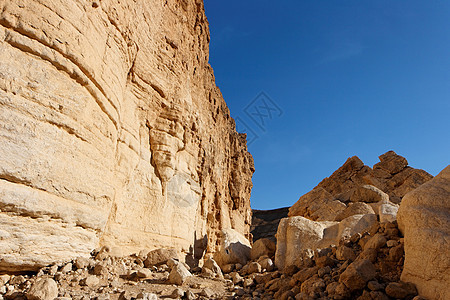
x=113, y=132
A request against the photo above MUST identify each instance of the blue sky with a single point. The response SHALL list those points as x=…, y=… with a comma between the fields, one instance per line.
x=349, y=77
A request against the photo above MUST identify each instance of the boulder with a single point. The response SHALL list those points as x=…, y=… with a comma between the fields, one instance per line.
x=317, y=205
x=211, y=264
x=357, y=274
x=178, y=274
x=368, y=193
x=401, y=290
x=388, y=212
x=235, y=248
x=424, y=220
x=160, y=256
x=391, y=162
x=262, y=247
x=357, y=208
x=298, y=235
x=43, y=289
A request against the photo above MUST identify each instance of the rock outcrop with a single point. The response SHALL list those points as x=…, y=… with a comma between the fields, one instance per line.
x=113, y=132
x=424, y=219
x=348, y=202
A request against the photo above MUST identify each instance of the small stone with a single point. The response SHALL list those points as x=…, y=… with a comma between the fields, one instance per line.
x=266, y=264
x=323, y=271
x=228, y=268
x=53, y=269
x=252, y=267
x=17, y=280
x=177, y=293
x=391, y=243
x=4, y=279
x=345, y=253
x=67, y=268
x=144, y=273
x=376, y=242
x=374, y=285
x=100, y=270
x=90, y=281
x=190, y=295
x=248, y=282
x=239, y=292
x=401, y=290
x=81, y=263
x=43, y=289
x=208, y=293
x=235, y=277
x=358, y=274
x=325, y=261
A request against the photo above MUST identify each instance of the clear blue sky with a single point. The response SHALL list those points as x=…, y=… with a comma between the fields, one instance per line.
x=351, y=78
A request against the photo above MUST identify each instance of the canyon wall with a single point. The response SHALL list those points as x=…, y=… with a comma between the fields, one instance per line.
x=113, y=132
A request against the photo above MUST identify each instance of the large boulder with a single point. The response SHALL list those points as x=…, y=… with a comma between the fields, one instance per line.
x=424, y=219
x=235, y=248
x=317, y=205
x=113, y=132
x=298, y=237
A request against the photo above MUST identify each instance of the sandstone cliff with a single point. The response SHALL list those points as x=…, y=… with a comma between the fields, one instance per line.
x=113, y=132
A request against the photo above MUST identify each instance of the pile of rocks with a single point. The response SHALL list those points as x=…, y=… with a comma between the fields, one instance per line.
x=147, y=275
x=365, y=266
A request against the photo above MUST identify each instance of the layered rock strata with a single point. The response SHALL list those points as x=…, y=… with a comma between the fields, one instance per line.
x=113, y=132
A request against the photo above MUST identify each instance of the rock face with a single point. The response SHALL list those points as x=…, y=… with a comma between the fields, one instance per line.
x=113, y=132
x=265, y=222
x=424, y=219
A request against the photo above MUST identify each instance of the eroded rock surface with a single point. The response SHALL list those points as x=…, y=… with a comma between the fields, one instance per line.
x=113, y=132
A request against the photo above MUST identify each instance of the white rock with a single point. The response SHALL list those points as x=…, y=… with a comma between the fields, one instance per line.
x=179, y=274
x=235, y=248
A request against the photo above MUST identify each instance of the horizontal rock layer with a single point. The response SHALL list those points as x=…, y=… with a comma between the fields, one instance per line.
x=113, y=132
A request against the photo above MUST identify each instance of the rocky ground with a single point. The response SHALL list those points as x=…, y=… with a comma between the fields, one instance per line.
x=366, y=266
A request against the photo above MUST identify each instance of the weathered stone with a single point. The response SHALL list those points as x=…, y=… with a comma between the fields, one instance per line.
x=368, y=193
x=113, y=132
x=266, y=264
x=143, y=273
x=424, y=219
x=297, y=234
x=179, y=274
x=391, y=162
x=400, y=290
x=357, y=274
x=43, y=289
x=376, y=242
x=211, y=264
x=345, y=253
x=90, y=281
x=235, y=248
x=262, y=247
x=251, y=267
x=177, y=293
x=160, y=256
x=388, y=212
x=358, y=208
x=317, y=205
